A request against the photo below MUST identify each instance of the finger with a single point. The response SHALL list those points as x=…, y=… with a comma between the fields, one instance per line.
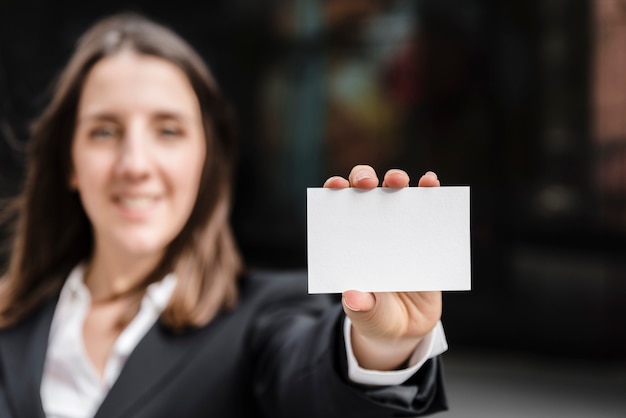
x=336, y=182
x=356, y=301
x=429, y=179
x=363, y=177
x=396, y=179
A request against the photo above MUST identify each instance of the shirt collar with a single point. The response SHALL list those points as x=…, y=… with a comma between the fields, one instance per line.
x=157, y=293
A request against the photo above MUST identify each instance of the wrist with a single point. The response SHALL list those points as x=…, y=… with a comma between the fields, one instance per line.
x=380, y=353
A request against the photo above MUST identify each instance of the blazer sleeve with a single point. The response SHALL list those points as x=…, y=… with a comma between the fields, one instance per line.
x=301, y=364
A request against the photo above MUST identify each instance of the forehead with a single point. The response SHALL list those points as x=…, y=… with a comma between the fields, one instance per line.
x=132, y=82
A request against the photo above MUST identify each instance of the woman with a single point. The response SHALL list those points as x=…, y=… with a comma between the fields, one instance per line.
x=125, y=293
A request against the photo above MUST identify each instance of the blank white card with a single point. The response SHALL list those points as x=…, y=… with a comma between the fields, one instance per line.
x=387, y=240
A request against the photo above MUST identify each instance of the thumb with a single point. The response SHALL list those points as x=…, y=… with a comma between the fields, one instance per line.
x=355, y=301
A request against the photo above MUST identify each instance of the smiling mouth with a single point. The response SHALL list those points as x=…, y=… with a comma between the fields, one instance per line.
x=137, y=203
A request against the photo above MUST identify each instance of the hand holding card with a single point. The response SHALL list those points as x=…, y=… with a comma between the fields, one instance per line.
x=363, y=241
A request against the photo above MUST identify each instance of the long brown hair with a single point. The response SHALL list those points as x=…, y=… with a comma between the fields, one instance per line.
x=52, y=233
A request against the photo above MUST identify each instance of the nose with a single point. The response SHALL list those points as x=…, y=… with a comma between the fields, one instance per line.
x=134, y=156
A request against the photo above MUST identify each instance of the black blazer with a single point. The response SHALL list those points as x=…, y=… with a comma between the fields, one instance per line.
x=279, y=354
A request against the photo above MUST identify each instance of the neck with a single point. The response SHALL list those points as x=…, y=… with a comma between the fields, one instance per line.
x=109, y=277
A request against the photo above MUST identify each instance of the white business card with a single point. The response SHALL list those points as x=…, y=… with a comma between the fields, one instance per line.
x=388, y=240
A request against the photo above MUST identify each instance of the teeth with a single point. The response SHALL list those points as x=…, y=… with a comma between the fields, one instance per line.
x=137, y=203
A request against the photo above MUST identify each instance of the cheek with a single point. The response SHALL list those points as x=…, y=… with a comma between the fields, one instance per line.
x=189, y=175
x=88, y=173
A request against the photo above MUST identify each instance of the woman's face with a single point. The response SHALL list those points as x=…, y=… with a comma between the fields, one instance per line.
x=137, y=153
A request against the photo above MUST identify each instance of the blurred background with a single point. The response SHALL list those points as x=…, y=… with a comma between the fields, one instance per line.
x=524, y=101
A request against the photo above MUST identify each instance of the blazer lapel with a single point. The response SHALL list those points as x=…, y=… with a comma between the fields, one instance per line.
x=22, y=353
x=152, y=362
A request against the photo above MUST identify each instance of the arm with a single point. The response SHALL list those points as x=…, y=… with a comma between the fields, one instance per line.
x=301, y=362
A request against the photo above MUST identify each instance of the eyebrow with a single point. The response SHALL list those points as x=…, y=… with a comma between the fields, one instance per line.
x=97, y=117
x=163, y=115
x=113, y=117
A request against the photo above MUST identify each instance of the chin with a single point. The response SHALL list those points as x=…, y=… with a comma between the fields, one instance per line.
x=134, y=245
x=143, y=249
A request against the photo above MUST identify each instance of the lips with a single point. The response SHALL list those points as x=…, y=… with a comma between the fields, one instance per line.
x=137, y=203
x=136, y=206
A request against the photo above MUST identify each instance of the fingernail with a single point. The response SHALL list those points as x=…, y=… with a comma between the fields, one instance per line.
x=431, y=173
x=350, y=307
x=361, y=175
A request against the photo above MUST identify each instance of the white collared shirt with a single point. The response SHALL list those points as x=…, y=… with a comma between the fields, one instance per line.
x=72, y=388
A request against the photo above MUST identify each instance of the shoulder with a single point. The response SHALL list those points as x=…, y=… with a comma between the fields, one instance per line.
x=40, y=316
x=265, y=289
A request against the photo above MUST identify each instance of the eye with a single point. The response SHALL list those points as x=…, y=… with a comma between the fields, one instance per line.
x=104, y=132
x=170, y=131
